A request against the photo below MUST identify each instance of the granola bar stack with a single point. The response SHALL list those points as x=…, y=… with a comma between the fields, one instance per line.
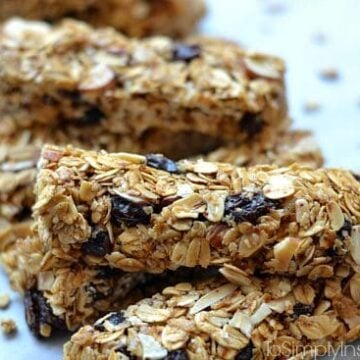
x=244, y=249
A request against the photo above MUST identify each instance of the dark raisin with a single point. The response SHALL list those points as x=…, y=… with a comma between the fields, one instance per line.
x=23, y=214
x=114, y=319
x=123, y=350
x=127, y=212
x=302, y=309
x=185, y=52
x=243, y=208
x=92, y=116
x=246, y=353
x=39, y=313
x=345, y=230
x=161, y=162
x=99, y=243
x=177, y=355
x=251, y=124
x=356, y=176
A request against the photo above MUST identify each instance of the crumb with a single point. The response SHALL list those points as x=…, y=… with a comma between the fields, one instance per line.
x=329, y=73
x=276, y=7
x=4, y=301
x=311, y=106
x=319, y=38
x=8, y=326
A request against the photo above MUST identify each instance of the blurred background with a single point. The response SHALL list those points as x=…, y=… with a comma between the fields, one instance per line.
x=320, y=42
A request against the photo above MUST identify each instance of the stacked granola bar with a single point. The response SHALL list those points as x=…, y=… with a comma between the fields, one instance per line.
x=190, y=259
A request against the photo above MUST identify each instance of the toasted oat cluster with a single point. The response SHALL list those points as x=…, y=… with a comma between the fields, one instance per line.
x=248, y=318
x=138, y=18
x=134, y=214
x=177, y=98
x=148, y=213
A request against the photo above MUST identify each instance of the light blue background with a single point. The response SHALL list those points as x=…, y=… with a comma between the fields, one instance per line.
x=290, y=34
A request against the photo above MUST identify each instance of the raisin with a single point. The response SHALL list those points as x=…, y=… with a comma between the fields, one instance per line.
x=177, y=355
x=39, y=313
x=345, y=230
x=251, y=124
x=99, y=243
x=185, y=52
x=246, y=353
x=92, y=116
x=127, y=212
x=161, y=162
x=356, y=176
x=302, y=309
x=114, y=319
x=23, y=214
x=123, y=350
x=243, y=208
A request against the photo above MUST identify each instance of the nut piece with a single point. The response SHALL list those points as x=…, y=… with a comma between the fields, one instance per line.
x=336, y=216
x=278, y=187
x=4, y=301
x=212, y=297
x=284, y=251
x=8, y=326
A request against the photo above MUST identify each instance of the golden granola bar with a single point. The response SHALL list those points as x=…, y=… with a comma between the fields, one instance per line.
x=148, y=213
x=195, y=95
x=138, y=18
x=19, y=155
x=252, y=318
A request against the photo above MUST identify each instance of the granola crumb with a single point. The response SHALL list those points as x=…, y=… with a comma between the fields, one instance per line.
x=4, y=301
x=8, y=326
x=329, y=74
x=311, y=106
x=319, y=38
x=276, y=7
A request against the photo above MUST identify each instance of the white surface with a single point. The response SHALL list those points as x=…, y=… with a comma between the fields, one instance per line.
x=288, y=33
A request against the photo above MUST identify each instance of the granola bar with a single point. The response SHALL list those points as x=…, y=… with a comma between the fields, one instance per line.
x=138, y=18
x=148, y=213
x=253, y=318
x=153, y=91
